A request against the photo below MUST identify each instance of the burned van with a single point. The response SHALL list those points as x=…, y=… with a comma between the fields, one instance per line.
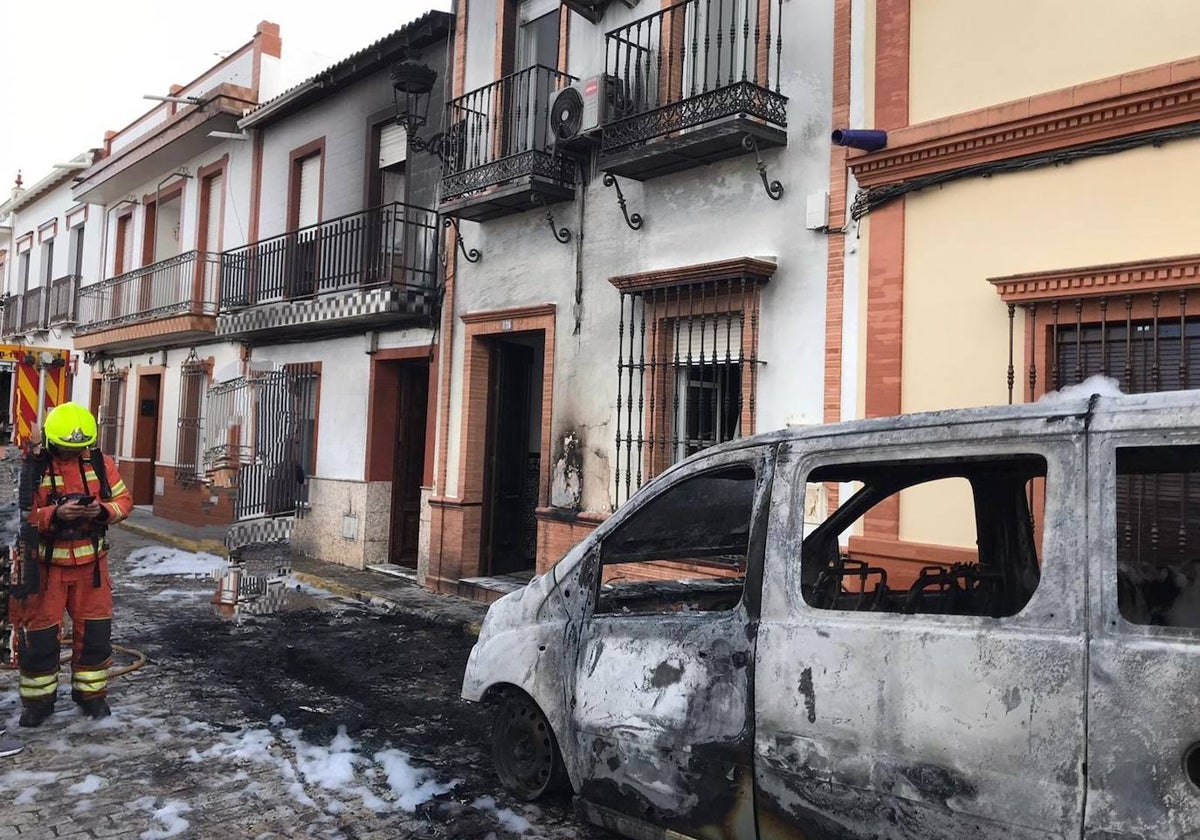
x=967, y=624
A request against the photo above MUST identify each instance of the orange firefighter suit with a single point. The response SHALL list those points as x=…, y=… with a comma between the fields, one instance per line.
x=74, y=562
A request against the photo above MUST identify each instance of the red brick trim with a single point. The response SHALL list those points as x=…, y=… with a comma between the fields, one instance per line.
x=460, y=50
x=559, y=532
x=496, y=317
x=1154, y=98
x=835, y=269
x=885, y=340
x=1158, y=275
x=759, y=271
x=893, y=22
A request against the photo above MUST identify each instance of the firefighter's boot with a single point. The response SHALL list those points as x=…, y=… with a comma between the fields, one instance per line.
x=36, y=712
x=95, y=708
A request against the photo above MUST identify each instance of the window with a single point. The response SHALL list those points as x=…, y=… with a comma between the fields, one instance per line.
x=1143, y=355
x=993, y=571
x=47, y=262
x=75, y=251
x=684, y=551
x=23, y=272
x=687, y=370
x=193, y=379
x=1157, y=532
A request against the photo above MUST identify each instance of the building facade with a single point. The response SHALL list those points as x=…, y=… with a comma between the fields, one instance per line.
x=332, y=296
x=1025, y=226
x=639, y=276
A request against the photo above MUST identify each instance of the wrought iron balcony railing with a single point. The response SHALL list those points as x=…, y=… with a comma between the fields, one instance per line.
x=392, y=245
x=63, y=293
x=34, y=308
x=502, y=131
x=693, y=63
x=184, y=285
x=12, y=315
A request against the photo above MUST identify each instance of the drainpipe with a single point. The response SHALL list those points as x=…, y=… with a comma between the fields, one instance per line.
x=41, y=366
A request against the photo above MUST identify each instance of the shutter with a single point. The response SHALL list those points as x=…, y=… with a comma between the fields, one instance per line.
x=393, y=145
x=712, y=339
x=127, y=247
x=310, y=191
x=212, y=238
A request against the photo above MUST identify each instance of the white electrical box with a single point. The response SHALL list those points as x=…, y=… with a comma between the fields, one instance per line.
x=816, y=215
x=350, y=527
x=160, y=485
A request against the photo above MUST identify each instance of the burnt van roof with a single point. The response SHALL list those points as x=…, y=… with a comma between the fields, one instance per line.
x=1182, y=407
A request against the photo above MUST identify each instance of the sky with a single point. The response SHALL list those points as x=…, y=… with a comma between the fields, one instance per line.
x=71, y=70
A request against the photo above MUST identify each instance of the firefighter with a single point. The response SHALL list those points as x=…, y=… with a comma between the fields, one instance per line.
x=80, y=493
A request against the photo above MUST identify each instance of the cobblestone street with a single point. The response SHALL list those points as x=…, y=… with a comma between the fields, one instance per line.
x=324, y=720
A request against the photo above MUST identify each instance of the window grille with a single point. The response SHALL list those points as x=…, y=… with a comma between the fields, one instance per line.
x=1147, y=342
x=687, y=373
x=193, y=379
x=111, y=421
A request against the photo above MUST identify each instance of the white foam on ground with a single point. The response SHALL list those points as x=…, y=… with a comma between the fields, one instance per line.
x=161, y=560
x=339, y=772
x=168, y=816
x=510, y=819
x=91, y=784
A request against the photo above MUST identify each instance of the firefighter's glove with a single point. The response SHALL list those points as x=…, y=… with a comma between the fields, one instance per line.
x=73, y=511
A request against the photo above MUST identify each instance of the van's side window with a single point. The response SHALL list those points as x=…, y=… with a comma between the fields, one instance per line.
x=1158, y=535
x=684, y=551
x=976, y=554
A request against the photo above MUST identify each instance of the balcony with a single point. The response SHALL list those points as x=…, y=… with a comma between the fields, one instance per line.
x=169, y=303
x=34, y=309
x=12, y=316
x=373, y=268
x=63, y=293
x=697, y=78
x=500, y=148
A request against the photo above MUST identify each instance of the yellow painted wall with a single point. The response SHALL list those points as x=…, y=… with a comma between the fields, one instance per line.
x=1130, y=206
x=968, y=54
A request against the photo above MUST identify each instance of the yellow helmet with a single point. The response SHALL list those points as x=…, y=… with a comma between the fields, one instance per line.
x=70, y=426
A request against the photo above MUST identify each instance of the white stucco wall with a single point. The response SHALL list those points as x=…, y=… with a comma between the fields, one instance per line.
x=701, y=215
x=236, y=186
x=344, y=394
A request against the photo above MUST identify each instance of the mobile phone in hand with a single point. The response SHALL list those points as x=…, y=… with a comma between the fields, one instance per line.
x=85, y=500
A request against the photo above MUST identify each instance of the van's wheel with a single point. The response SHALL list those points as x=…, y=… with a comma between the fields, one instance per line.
x=524, y=750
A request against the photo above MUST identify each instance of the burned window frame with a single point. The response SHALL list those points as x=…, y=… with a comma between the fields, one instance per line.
x=1110, y=532
x=758, y=460
x=910, y=472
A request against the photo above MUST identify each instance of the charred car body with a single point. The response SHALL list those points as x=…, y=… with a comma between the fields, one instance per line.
x=1037, y=678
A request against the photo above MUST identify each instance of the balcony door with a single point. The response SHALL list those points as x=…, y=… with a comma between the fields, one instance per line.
x=305, y=214
x=527, y=115
x=163, y=235
x=122, y=262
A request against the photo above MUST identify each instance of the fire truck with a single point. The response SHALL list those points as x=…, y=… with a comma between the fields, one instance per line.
x=30, y=376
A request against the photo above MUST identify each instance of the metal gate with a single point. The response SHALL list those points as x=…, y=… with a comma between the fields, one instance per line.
x=264, y=426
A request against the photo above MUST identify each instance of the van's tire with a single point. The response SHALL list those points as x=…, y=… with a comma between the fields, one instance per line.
x=524, y=750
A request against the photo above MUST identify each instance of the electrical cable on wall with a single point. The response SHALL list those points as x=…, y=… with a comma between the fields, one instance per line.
x=875, y=197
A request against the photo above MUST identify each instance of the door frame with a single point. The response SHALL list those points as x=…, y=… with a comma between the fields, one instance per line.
x=464, y=511
x=379, y=461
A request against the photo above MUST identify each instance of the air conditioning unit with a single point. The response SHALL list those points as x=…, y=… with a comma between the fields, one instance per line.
x=578, y=111
x=593, y=10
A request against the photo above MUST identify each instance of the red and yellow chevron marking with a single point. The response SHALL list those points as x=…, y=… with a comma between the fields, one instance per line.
x=26, y=391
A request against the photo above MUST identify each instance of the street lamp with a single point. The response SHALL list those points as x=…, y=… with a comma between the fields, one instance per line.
x=411, y=85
